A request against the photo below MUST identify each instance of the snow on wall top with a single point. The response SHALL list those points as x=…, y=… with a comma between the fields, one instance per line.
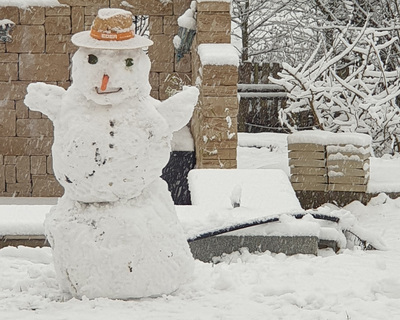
x=325, y=138
x=218, y=54
x=24, y=4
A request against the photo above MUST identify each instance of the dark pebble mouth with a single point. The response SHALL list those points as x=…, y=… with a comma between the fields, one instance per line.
x=108, y=91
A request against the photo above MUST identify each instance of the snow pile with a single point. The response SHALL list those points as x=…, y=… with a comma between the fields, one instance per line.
x=218, y=54
x=187, y=20
x=15, y=223
x=353, y=284
x=326, y=138
x=266, y=190
x=4, y=23
x=25, y=4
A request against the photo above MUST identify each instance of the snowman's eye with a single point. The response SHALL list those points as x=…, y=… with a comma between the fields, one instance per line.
x=129, y=62
x=92, y=59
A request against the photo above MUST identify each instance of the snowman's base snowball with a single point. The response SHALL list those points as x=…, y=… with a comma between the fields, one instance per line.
x=119, y=250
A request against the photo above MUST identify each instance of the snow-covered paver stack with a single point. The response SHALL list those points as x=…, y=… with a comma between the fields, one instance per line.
x=325, y=161
x=115, y=232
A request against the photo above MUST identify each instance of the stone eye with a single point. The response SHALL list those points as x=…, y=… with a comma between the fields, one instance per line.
x=129, y=62
x=92, y=59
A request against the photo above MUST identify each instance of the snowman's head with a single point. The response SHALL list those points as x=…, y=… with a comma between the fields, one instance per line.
x=109, y=76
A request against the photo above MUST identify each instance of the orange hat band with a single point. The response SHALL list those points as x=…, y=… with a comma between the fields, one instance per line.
x=111, y=36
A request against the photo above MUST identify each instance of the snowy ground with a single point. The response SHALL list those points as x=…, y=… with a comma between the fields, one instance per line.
x=353, y=284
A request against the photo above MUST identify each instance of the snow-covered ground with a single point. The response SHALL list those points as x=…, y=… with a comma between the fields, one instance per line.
x=352, y=284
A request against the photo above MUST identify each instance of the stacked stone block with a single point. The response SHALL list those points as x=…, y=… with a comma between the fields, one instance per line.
x=348, y=167
x=308, y=166
x=214, y=122
x=326, y=161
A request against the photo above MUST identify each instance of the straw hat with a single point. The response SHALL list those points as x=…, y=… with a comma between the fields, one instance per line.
x=111, y=29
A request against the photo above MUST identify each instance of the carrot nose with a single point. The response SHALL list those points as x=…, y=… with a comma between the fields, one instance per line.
x=104, y=82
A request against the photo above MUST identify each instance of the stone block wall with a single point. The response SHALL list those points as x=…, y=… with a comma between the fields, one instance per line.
x=41, y=51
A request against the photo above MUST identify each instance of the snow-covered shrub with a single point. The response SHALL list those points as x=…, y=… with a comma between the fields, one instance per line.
x=350, y=89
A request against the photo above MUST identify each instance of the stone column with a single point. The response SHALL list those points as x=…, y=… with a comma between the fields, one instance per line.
x=215, y=72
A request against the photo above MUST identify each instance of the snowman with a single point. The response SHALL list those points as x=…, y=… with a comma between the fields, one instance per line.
x=114, y=233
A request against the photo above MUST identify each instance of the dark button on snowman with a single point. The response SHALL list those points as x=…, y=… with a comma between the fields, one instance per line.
x=114, y=233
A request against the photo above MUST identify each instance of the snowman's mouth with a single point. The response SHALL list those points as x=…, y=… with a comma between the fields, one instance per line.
x=108, y=90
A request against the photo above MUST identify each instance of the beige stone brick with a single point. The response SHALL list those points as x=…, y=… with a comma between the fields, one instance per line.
x=33, y=15
x=163, y=48
x=10, y=159
x=154, y=80
x=34, y=114
x=349, y=171
x=88, y=21
x=34, y=128
x=59, y=43
x=344, y=165
x=347, y=187
x=184, y=64
x=213, y=22
x=1, y=159
x=25, y=146
x=7, y=104
x=161, y=66
x=8, y=57
x=219, y=154
x=22, y=189
x=156, y=25
x=7, y=123
x=77, y=3
x=10, y=173
x=309, y=179
x=308, y=171
x=307, y=155
x=2, y=178
x=154, y=94
x=23, y=168
x=213, y=37
x=219, y=106
x=217, y=164
x=307, y=163
x=218, y=91
x=303, y=186
x=348, y=180
x=148, y=7
x=46, y=186
x=216, y=6
x=58, y=25
x=58, y=11
x=213, y=75
x=8, y=71
x=27, y=39
x=218, y=129
x=306, y=147
x=2, y=47
x=63, y=84
x=180, y=6
x=170, y=25
x=10, y=13
x=38, y=165
x=49, y=166
x=77, y=19
x=44, y=67
x=92, y=10
x=16, y=90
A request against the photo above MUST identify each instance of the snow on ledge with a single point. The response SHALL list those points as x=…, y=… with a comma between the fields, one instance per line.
x=218, y=54
x=326, y=138
x=24, y=4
